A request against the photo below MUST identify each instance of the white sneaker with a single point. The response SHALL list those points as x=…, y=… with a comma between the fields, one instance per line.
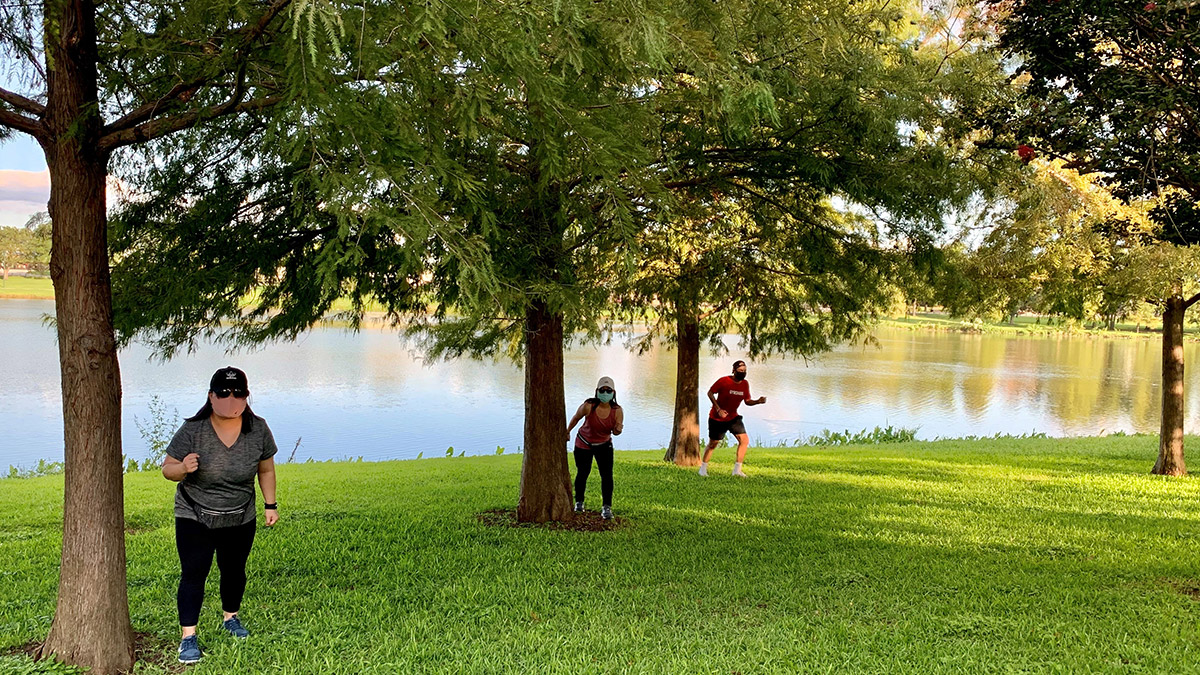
x=704, y=471
x=739, y=474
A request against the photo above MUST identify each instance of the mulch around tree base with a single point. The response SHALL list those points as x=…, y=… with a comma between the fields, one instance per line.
x=147, y=648
x=588, y=521
x=29, y=649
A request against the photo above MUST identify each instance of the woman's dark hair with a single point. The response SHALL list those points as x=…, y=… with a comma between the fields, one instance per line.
x=207, y=411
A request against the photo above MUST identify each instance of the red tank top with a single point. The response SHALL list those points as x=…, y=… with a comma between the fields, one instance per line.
x=595, y=430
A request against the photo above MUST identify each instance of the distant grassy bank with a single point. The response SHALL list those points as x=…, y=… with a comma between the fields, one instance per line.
x=41, y=289
x=26, y=288
x=1028, y=325
x=1039, y=555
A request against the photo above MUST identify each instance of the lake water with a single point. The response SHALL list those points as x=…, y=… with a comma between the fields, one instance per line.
x=344, y=394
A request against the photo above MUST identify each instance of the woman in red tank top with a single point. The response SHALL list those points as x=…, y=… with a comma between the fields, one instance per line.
x=602, y=418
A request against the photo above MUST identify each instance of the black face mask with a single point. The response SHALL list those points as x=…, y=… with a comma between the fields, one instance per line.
x=739, y=376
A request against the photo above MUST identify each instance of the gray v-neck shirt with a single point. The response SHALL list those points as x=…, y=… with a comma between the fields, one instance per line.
x=225, y=478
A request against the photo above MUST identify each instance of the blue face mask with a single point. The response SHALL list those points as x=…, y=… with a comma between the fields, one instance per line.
x=605, y=396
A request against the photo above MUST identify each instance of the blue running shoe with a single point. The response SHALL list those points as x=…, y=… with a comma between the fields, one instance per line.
x=235, y=628
x=189, y=650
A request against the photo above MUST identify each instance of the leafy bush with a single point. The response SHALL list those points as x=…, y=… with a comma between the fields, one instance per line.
x=43, y=468
x=156, y=432
x=876, y=436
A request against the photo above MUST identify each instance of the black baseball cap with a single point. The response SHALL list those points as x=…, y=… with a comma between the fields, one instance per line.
x=228, y=378
x=738, y=363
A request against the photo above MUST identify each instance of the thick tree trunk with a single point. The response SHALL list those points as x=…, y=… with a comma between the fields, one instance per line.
x=1170, y=437
x=684, y=449
x=91, y=625
x=545, y=478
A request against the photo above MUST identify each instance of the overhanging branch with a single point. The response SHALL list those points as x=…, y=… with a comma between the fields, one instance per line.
x=136, y=126
x=260, y=26
x=21, y=103
x=169, y=125
x=22, y=123
x=178, y=94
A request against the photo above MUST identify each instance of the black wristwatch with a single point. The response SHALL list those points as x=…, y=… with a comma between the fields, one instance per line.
x=272, y=506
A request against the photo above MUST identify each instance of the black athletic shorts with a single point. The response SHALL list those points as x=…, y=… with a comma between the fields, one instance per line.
x=718, y=429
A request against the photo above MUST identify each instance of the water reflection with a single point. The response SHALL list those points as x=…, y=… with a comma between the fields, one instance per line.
x=369, y=394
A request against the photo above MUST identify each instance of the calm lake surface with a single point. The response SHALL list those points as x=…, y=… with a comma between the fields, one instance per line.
x=369, y=394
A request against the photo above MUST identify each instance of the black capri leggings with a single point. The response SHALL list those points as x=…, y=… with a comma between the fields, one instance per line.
x=196, y=545
x=583, y=467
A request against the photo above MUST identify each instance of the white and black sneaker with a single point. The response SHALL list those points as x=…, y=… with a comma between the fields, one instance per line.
x=578, y=507
x=606, y=512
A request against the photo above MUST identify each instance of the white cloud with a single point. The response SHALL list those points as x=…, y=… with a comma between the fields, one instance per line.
x=24, y=193
x=24, y=186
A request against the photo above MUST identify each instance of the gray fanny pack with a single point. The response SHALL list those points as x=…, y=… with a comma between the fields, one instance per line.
x=217, y=518
x=595, y=446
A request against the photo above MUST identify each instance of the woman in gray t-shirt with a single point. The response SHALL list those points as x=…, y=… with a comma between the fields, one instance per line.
x=214, y=457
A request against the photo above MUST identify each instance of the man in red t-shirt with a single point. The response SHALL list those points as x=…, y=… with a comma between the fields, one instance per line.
x=726, y=395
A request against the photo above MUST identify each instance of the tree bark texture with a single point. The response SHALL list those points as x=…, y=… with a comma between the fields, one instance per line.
x=1170, y=437
x=545, y=477
x=91, y=626
x=684, y=448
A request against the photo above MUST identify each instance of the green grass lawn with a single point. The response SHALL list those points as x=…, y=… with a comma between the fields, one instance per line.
x=23, y=287
x=1038, y=555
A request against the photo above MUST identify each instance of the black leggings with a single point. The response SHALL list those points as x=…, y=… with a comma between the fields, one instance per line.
x=196, y=545
x=583, y=467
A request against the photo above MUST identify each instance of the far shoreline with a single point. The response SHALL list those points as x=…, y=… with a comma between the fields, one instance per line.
x=39, y=288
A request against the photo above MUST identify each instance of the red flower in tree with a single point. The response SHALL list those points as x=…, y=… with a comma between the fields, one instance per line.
x=1150, y=6
x=1026, y=153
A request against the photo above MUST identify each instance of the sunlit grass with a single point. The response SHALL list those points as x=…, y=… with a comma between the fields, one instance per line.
x=1042, y=555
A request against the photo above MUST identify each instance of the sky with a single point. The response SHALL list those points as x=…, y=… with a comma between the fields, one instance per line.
x=24, y=181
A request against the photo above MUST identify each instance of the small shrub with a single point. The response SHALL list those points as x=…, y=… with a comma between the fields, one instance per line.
x=876, y=436
x=43, y=468
x=998, y=436
x=156, y=431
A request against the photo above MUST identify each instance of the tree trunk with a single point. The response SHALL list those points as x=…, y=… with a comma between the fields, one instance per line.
x=1170, y=437
x=91, y=625
x=545, y=478
x=684, y=448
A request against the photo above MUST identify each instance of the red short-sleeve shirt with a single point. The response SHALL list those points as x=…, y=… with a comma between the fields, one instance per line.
x=730, y=394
